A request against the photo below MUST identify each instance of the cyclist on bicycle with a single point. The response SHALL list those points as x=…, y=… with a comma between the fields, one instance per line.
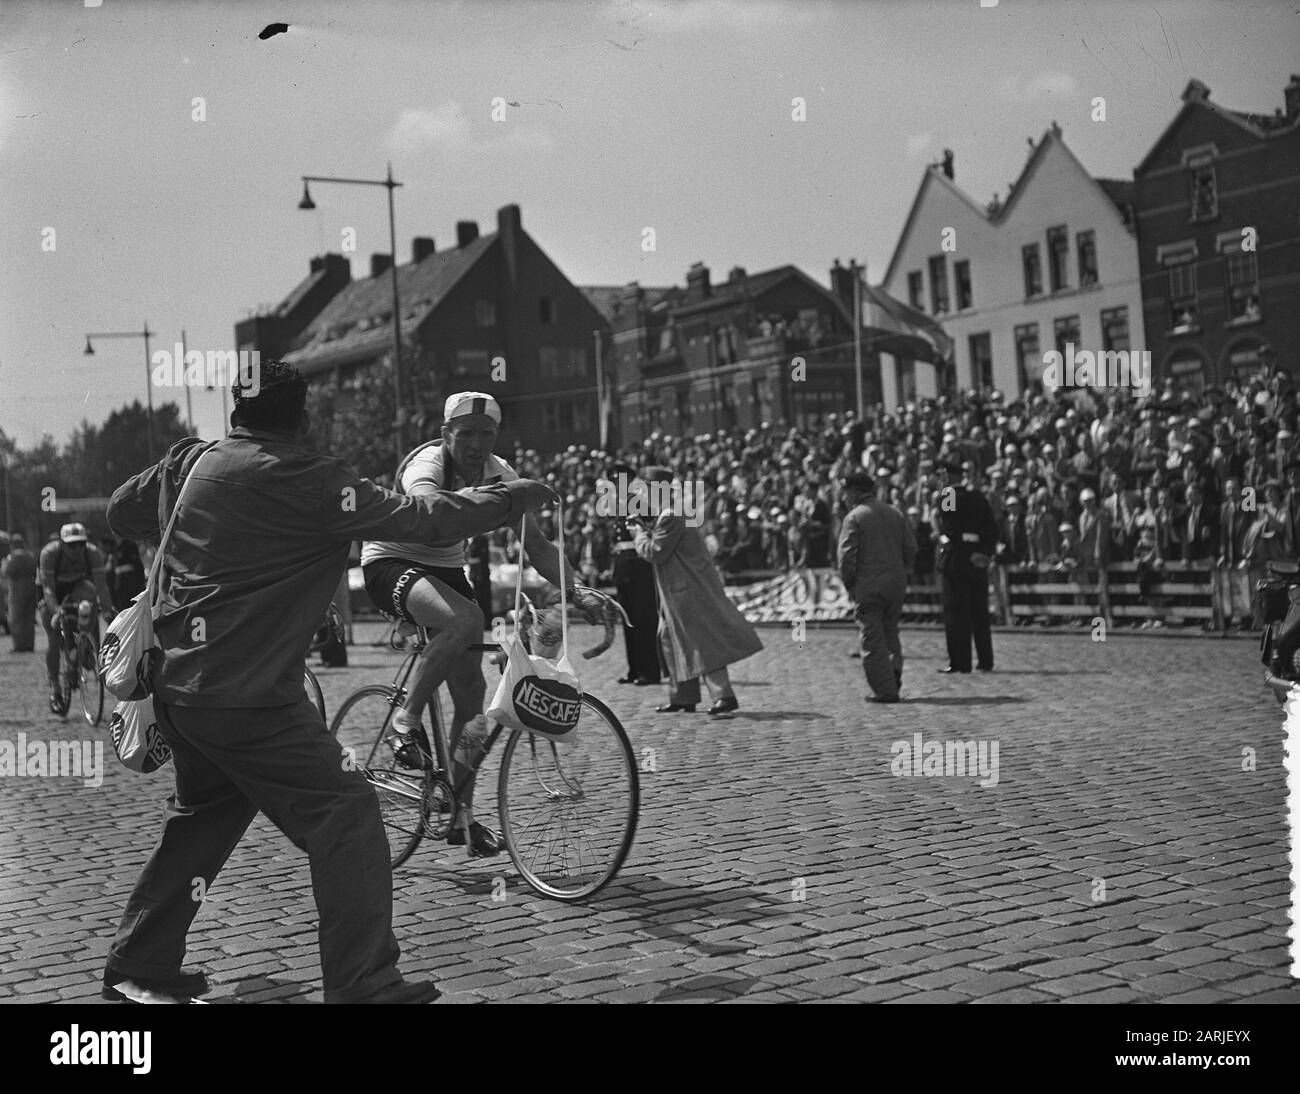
x=69, y=567
x=426, y=585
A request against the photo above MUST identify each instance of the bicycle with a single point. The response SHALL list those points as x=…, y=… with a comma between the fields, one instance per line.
x=78, y=661
x=331, y=626
x=568, y=811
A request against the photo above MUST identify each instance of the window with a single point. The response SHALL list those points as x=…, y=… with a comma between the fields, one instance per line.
x=546, y=310
x=576, y=360
x=1114, y=329
x=915, y=290
x=472, y=362
x=1087, y=246
x=962, y=272
x=939, y=285
x=1058, y=257
x=1033, y=270
x=1205, y=193
x=665, y=340
x=565, y=416
x=1188, y=371
x=1028, y=360
x=906, y=368
x=1182, y=298
x=1242, y=283
x=485, y=313
x=981, y=361
x=1065, y=329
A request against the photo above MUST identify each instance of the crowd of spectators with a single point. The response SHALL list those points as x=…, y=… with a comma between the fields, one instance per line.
x=1078, y=480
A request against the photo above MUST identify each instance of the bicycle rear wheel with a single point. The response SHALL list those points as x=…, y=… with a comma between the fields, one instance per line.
x=569, y=811
x=312, y=687
x=89, y=685
x=361, y=727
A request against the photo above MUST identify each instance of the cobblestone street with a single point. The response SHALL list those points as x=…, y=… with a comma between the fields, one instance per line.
x=1122, y=855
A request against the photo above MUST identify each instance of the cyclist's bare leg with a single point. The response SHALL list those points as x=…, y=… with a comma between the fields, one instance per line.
x=468, y=689
x=455, y=623
x=51, y=644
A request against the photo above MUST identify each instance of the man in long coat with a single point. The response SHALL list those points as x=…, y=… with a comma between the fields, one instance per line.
x=701, y=631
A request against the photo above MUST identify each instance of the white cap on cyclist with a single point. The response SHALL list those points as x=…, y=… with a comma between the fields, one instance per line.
x=471, y=402
x=73, y=533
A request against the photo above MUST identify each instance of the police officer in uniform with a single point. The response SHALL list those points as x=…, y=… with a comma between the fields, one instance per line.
x=968, y=538
x=634, y=583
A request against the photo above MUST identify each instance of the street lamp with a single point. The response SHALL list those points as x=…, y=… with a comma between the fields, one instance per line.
x=148, y=371
x=307, y=203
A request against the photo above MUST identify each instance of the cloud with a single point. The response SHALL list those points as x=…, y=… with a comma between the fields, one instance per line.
x=446, y=129
x=634, y=17
x=916, y=144
x=1042, y=85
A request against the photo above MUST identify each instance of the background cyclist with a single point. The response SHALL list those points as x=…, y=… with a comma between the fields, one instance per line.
x=69, y=566
x=426, y=585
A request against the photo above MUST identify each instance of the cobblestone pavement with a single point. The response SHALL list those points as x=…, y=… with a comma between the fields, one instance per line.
x=1124, y=853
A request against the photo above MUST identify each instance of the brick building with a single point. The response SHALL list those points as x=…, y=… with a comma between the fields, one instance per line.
x=491, y=300
x=1214, y=306
x=773, y=346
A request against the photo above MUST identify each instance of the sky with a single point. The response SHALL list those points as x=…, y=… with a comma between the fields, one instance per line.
x=630, y=114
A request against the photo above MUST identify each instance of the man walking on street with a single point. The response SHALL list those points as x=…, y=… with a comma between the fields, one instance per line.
x=969, y=537
x=249, y=569
x=876, y=551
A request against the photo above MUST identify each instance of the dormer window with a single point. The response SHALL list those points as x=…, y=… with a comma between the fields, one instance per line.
x=1205, y=193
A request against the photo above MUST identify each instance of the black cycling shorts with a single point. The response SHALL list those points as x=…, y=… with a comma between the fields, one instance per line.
x=389, y=582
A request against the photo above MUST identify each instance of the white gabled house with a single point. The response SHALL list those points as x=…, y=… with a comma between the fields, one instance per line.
x=1055, y=263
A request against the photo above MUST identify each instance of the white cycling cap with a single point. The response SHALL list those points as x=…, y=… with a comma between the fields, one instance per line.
x=471, y=402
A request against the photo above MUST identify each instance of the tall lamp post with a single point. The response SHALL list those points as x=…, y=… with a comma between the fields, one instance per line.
x=857, y=272
x=146, y=334
x=307, y=203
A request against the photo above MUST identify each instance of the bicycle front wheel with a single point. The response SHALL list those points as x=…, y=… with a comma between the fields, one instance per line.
x=361, y=727
x=89, y=685
x=569, y=811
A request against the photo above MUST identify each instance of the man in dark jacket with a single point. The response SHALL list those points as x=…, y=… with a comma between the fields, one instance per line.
x=634, y=584
x=968, y=538
x=255, y=556
x=876, y=550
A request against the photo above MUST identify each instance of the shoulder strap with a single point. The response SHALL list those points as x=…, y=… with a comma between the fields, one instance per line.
x=155, y=571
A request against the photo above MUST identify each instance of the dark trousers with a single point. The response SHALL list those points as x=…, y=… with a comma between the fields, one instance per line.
x=282, y=761
x=882, y=650
x=966, y=616
x=637, y=596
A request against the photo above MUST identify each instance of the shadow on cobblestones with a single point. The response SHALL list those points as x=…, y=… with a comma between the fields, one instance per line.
x=965, y=700
x=709, y=987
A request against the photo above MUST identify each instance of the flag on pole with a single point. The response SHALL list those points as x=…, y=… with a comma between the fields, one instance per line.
x=919, y=335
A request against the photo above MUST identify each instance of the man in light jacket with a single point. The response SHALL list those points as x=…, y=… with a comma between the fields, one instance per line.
x=256, y=553
x=701, y=631
x=876, y=550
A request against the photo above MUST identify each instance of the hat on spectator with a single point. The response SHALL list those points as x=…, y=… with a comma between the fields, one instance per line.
x=1087, y=493
x=1065, y=526
x=661, y=474
x=73, y=533
x=860, y=482
x=1014, y=499
x=953, y=467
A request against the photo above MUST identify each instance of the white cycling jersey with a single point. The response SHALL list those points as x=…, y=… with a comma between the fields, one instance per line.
x=427, y=466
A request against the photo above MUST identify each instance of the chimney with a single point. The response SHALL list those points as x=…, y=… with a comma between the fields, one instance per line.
x=697, y=282
x=466, y=232
x=379, y=264
x=1195, y=91
x=1292, y=95
x=947, y=162
x=842, y=284
x=737, y=274
x=509, y=229
x=421, y=248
